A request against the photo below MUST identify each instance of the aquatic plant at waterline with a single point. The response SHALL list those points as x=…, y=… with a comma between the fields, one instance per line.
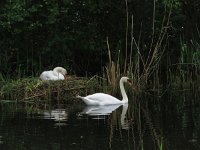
x=186, y=71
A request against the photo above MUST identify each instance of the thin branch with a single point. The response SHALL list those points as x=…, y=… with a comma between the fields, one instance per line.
x=153, y=32
x=109, y=53
x=126, y=37
x=131, y=52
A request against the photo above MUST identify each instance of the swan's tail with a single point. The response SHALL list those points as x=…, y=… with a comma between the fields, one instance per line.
x=87, y=101
x=78, y=96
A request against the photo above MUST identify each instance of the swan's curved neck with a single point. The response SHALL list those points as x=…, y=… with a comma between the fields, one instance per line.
x=57, y=69
x=124, y=95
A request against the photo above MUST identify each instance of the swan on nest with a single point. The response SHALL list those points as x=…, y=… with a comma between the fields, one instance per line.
x=58, y=73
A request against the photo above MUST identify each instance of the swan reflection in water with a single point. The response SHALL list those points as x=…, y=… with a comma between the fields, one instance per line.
x=99, y=112
x=58, y=115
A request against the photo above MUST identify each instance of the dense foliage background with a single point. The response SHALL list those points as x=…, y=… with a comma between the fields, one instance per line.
x=38, y=35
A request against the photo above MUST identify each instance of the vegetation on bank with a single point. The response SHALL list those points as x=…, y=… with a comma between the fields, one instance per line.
x=36, y=90
x=156, y=43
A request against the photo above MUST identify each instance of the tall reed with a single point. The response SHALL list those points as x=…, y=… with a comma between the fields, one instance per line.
x=138, y=65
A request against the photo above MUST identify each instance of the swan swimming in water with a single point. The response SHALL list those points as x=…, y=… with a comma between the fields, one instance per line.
x=58, y=73
x=106, y=99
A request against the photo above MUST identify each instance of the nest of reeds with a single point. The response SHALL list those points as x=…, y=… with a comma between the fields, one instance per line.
x=36, y=90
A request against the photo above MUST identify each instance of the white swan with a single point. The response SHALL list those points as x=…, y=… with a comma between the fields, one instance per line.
x=105, y=99
x=58, y=73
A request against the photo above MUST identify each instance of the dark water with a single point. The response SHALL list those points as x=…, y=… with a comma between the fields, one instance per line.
x=171, y=122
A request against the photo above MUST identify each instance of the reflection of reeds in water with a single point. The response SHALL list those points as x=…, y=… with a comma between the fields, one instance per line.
x=132, y=125
x=155, y=133
x=118, y=123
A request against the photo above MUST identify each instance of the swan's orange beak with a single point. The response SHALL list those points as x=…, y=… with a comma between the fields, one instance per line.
x=129, y=82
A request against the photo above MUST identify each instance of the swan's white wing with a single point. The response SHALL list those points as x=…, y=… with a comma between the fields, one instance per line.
x=51, y=75
x=60, y=77
x=46, y=75
x=103, y=99
x=57, y=76
x=89, y=101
